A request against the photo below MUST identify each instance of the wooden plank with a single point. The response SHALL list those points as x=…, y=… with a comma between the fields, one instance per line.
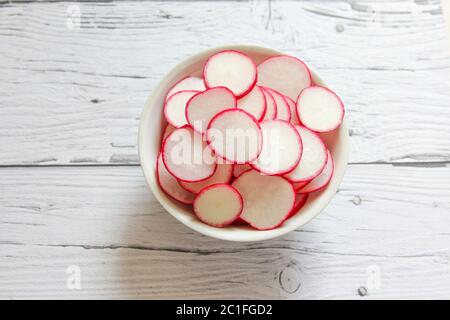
x=74, y=96
x=387, y=218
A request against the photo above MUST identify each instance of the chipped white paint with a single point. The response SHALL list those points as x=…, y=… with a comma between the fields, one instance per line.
x=72, y=95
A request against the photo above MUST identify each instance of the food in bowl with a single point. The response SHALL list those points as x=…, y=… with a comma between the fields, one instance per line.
x=243, y=143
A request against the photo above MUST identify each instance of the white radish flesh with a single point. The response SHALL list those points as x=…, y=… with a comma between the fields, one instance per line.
x=285, y=74
x=175, y=108
x=235, y=135
x=189, y=83
x=231, y=69
x=218, y=205
x=282, y=148
x=254, y=103
x=223, y=174
x=320, y=109
x=169, y=184
x=283, y=110
x=203, y=106
x=322, y=180
x=313, y=159
x=187, y=157
x=268, y=200
x=271, y=107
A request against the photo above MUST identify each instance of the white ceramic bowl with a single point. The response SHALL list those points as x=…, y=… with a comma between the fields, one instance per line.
x=151, y=127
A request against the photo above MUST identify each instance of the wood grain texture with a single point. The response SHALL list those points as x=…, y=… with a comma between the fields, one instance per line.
x=106, y=222
x=75, y=96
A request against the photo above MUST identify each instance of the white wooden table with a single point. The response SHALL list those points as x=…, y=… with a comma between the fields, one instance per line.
x=73, y=198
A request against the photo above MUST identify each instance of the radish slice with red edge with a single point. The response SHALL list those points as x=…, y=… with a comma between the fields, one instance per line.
x=169, y=184
x=218, y=205
x=283, y=110
x=285, y=74
x=268, y=200
x=254, y=103
x=168, y=130
x=203, y=106
x=320, y=109
x=300, y=200
x=322, y=180
x=175, y=108
x=271, y=107
x=238, y=169
x=293, y=109
x=298, y=185
x=313, y=159
x=235, y=135
x=188, y=83
x=223, y=174
x=282, y=148
x=231, y=69
x=187, y=157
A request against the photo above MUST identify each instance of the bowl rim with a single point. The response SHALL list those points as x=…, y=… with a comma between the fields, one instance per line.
x=221, y=233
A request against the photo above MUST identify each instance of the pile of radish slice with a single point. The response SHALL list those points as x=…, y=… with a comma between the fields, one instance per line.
x=242, y=144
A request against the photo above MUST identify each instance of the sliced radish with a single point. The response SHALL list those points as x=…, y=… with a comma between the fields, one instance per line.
x=254, y=103
x=169, y=184
x=218, y=205
x=298, y=185
x=223, y=174
x=293, y=109
x=231, y=69
x=268, y=200
x=300, y=200
x=203, y=106
x=189, y=83
x=283, y=110
x=238, y=169
x=168, y=130
x=285, y=74
x=322, y=180
x=314, y=157
x=235, y=136
x=175, y=108
x=282, y=148
x=320, y=109
x=187, y=157
x=271, y=107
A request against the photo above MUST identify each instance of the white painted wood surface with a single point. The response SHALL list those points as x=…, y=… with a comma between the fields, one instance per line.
x=71, y=192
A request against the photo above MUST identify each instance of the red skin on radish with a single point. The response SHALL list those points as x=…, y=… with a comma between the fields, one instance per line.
x=246, y=117
x=259, y=164
x=271, y=106
x=254, y=103
x=239, y=169
x=217, y=204
x=223, y=174
x=288, y=75
x=203, y=106
x=283, y=109
x=300, y=200
x=299, y=170
x=265, y=207
x=329, y=98
x=207, y=165
x=174, y=112
x=170, y=185
x=322, y=180
x=298, y=185
x=241, y=91
x=187, y=83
